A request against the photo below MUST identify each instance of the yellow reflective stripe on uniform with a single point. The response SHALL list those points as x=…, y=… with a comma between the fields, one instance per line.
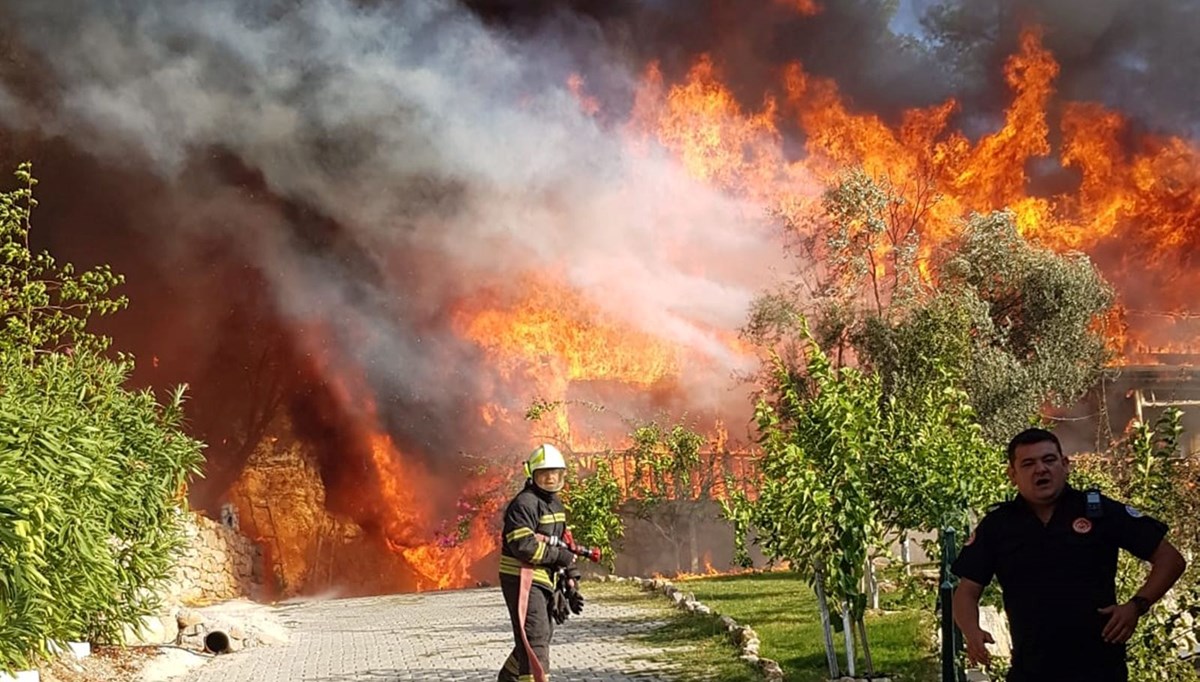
x=525, y=678
x=560, y=517
x=512, y=566
x=518, y=534
x=539, y=552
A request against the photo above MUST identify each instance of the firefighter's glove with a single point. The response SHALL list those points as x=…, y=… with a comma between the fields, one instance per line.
x=575, y=599
x=560, y=609
x=564, y=559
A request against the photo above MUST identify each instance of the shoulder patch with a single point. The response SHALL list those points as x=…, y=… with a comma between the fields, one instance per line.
x=1133, y=511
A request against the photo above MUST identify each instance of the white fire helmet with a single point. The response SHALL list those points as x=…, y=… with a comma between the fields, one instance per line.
x=546, y=456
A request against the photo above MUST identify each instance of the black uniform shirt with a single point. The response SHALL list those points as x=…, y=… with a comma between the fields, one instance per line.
x=1054, y=577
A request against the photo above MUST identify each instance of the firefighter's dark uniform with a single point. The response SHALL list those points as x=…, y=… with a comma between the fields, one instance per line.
x=531, y=513
x=1055, y=577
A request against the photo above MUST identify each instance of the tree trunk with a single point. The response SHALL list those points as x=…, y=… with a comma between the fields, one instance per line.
x=866, y=648
x=848, y=628
x=905, y=552
x=694, y=542
x=826, y=627
x=872, y=583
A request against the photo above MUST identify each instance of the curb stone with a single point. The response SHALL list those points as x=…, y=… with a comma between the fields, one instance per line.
x=744, y=637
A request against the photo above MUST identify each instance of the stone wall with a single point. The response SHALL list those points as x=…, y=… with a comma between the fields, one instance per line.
x=217, y=563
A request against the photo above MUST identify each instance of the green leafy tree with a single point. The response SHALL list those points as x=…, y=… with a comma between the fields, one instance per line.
x=1017, y=325
x=936, y=467
x=1035, y=334
x=671, y=485
x=593, y=500
x=1146, y=469
x=818, y=430
x=842, y=462
x=665, y=462
x=92, y=475
x=46, y=306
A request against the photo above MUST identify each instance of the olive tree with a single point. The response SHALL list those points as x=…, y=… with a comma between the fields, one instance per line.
x=887, y=412
x=1017, y=325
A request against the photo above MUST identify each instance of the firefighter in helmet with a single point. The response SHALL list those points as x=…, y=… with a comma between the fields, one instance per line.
x=536, y=566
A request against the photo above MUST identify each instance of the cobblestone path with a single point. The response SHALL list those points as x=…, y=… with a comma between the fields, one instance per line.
x=433, y=637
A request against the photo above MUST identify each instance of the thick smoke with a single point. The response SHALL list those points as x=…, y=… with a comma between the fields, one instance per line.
x=296, y=184
x=356, y=170
x=1136, y=56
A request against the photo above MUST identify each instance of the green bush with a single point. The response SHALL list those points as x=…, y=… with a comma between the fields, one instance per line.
x=92, y=475
x=593, y=502
x=1146, y=469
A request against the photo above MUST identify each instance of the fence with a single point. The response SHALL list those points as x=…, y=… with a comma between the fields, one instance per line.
x=708, y=479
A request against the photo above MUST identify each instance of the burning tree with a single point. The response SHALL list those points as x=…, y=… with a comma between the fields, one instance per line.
x=1021, y=327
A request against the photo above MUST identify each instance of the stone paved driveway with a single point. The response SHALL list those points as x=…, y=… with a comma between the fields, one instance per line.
x=433, y=637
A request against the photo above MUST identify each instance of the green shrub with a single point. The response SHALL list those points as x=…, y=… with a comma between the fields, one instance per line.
x=1146, y=469
x=593, y=502
x=92, y=475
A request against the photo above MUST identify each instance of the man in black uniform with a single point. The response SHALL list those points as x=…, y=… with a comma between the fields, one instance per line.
x=1054, y=551
x=531, y=554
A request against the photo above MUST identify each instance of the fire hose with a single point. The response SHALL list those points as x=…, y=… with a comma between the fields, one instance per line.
x=565, y=542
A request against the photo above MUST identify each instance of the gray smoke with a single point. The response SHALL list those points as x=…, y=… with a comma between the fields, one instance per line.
x=441, y=143
x=452, y=157
x=1136, y=56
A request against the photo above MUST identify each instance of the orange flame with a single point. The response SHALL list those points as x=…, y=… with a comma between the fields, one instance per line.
x=405, y=494
x=1137, y=197
x=548, y=336
x=1140, y=199
x=552, y=325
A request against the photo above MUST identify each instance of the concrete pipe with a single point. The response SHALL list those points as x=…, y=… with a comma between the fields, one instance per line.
x=217, y=642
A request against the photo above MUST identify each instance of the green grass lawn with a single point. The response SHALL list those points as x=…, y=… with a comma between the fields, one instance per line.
x=699, y=647
x=783, y=610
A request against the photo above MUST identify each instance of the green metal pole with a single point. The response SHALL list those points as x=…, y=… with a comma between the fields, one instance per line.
x=945, y=596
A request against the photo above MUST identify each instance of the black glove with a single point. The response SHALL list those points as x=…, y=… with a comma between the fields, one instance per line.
x=564, y=558
x=575, y=600
x=560, y=607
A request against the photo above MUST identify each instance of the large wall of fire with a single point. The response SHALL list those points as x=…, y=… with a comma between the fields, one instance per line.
x=370, y=235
